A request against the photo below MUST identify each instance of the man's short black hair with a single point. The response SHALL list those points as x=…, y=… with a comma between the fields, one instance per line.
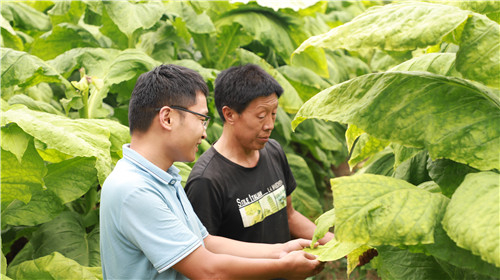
x=165, y=85
x=237, y=86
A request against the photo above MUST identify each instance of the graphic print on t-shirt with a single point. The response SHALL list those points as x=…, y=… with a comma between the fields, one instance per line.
x=256, y=207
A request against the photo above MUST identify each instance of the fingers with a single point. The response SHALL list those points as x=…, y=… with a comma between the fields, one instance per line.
x=309, y=256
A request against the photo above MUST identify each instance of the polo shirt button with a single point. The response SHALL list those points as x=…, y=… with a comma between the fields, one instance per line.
x=172, y=182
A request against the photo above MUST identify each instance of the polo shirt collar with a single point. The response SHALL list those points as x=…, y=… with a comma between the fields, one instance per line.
x=171, y=177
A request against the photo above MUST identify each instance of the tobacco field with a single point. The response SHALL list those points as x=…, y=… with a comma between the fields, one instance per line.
x=390, y=120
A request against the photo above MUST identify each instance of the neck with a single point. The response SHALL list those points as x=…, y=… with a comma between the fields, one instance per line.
x=230, y=148
x=147, y=145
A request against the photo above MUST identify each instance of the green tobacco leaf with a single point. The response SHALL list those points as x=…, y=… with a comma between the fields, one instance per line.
x=379, y=210
x=448, y=174
x=132, y=16
x=56, y=42
x=66, y=11
x=25, y=70
x=403, y=153
x=490, y=8
x=53, y=266
x=95, y=61
x=396, y=27
x=352, y=133
x=323, y=225
x=266, y=26
x=66, y=234
x=43, y=207
x=80, y=137
x=397, y=264
x=333, y=250
x=18, y=176
x=305, y=198
x=414, y=170
x=306, y=82
x=472, y=218
x=437, y=63
x=479, y=55
x=365, y=147
x=196, y=23
x=447, y=250
x=290, y=99
x=72, y=178
x=449, y=117
x=124, y=70
x=15, y=140
x=312, y=58
x=34, y=104
x=25, y=16
x=381, y=163
x=9, y=36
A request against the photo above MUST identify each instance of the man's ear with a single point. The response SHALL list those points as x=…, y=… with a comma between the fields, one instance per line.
x=229, y=114
x=165, y=118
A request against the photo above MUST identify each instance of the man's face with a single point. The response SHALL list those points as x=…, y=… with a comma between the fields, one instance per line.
x=191, y=129
x=255, y=124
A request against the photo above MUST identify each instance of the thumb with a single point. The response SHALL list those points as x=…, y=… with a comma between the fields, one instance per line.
x=309, y=256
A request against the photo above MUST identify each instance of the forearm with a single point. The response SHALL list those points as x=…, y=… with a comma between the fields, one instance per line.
x=302, y=227
x=222, y=245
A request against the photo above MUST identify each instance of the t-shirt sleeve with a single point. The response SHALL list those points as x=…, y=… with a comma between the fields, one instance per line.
x=207, y=203
x=149, y=223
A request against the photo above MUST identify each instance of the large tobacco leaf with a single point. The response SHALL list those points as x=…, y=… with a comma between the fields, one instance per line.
x=130, y=17
x=305, y=198
x=409, y=26
x=417, y=109
x=25, y=70
x=472, y=218
x=53, y=266
x=80, y=137
x=379, y=210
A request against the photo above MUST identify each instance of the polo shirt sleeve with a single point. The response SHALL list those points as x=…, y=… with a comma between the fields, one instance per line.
x=148, y=222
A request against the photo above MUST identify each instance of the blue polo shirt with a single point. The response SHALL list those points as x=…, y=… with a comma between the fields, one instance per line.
x=147, y=224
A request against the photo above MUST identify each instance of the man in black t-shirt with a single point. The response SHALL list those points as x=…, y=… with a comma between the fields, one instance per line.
x=241, y=187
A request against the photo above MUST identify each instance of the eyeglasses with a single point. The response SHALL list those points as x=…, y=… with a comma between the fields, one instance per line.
x=204, y=122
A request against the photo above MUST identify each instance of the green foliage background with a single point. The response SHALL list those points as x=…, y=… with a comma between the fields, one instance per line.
x=409, y=91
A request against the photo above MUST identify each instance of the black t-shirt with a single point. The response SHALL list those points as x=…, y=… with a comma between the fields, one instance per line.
x=247, y=204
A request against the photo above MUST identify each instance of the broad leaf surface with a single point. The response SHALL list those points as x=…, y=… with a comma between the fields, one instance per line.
x=55, y=43
x=78, y=245
x=472, y=218
x=17, y=176
x=417, y=109
x=25, y=16
x=131, y=16
x=396, y=264
x=396, y=27
x=305, y=198
x=83, y=138
x=323, y=225
x=25, y=70
x=437, y=63
x=95, y=61
x=479, y=55
x=333, y=250
x=72, y=178
x=448, y=174
x=379, y=210
x=447, y=250
x=53, y=266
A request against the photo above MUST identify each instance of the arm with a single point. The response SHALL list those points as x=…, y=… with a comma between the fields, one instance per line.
x=203, y=264
x=300, y=226
x=222, y=245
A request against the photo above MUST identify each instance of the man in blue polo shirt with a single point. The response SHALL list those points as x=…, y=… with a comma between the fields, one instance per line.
x=148, y=227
